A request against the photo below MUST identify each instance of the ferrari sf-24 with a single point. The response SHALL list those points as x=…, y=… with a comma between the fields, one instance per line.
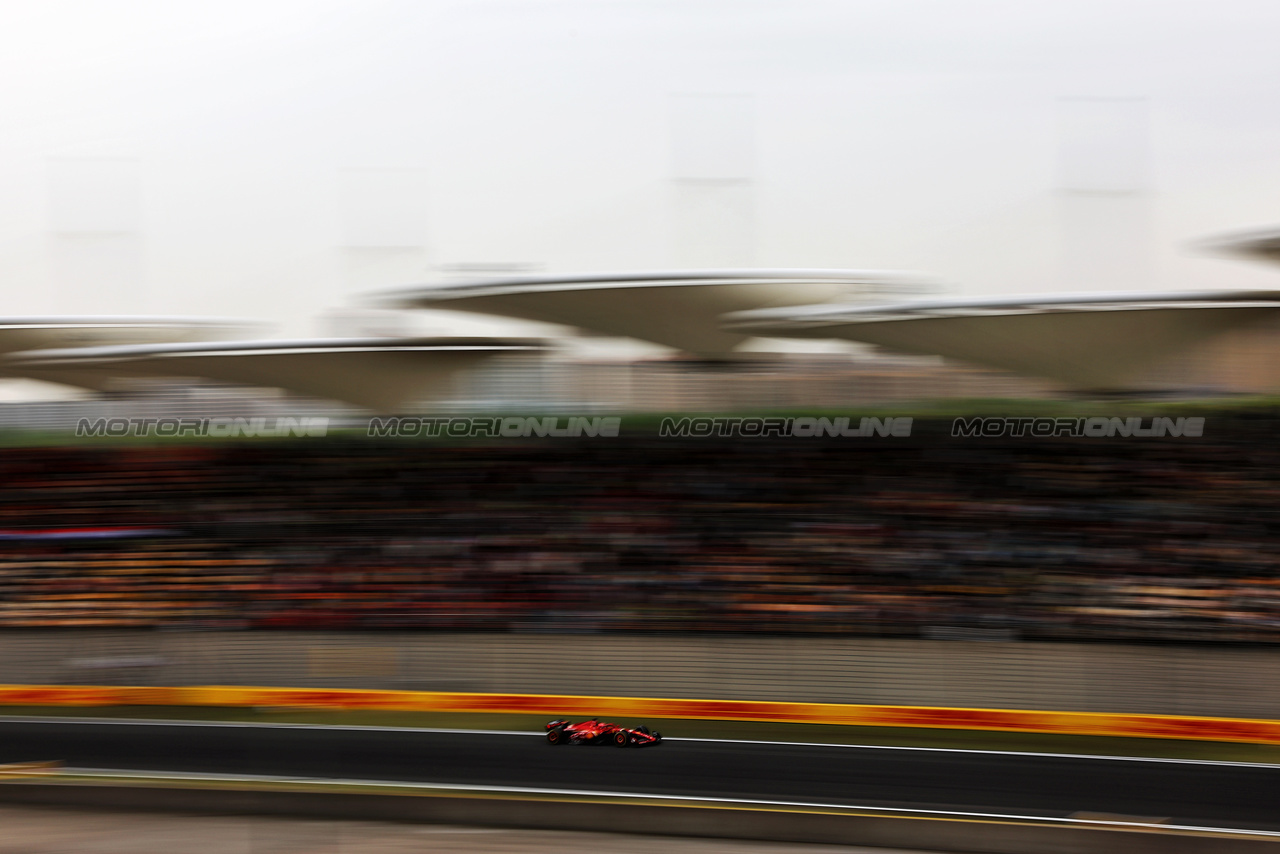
x=598, y=732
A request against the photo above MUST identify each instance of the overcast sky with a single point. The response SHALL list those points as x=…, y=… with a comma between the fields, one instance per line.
x=274, y=158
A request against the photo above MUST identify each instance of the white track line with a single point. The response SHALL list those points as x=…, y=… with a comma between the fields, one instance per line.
x=1224, y=762
x=526, y=733
x=647, y=796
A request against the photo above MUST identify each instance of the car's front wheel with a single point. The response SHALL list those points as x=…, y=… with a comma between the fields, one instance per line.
x=622, y=739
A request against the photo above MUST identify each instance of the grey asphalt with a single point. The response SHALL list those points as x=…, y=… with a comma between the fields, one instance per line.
x=1237, y=796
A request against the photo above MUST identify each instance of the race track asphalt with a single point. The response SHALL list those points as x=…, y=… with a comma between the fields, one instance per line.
x=1187, y=793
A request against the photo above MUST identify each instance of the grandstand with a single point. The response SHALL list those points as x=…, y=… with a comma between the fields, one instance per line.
x=1055, y=540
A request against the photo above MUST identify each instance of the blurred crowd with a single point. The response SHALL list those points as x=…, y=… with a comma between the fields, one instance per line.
x=1069, y=539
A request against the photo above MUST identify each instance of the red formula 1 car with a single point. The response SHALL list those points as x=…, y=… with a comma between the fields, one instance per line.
x=598, y=732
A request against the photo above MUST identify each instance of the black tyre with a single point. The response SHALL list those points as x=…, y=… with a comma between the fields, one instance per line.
x=621, y=739
x=555, y=736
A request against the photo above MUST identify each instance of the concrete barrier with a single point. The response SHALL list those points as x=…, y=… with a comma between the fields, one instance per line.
x=552, y=706
x=1225, y=682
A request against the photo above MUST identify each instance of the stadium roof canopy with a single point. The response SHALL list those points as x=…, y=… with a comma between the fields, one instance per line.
x=381, y=374
x=36, y=333
x=32, y=333
x=1260, y=245
x=679, y=309
x=1087, y=341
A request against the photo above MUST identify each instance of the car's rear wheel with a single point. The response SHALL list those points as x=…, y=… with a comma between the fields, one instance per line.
x=621, y=739
x=555, y=736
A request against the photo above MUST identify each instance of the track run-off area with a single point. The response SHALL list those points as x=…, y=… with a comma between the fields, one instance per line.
x=1168, y=792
